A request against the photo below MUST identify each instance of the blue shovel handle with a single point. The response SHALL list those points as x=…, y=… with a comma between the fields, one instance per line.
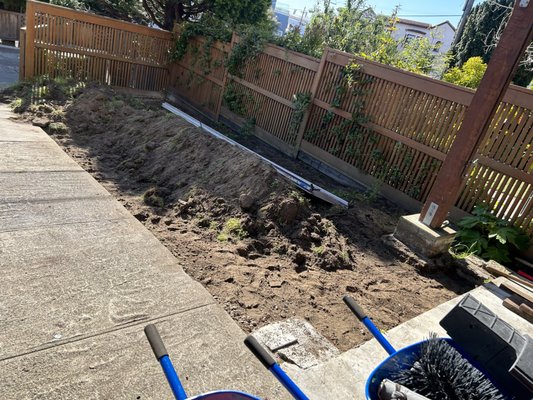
x=162, y=356
x=361, y=316
x=270, y=364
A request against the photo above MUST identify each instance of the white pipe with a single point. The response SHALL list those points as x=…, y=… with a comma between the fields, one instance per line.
x=297, y=180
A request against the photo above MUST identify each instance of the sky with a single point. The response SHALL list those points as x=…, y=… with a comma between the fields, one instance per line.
x=430, y=11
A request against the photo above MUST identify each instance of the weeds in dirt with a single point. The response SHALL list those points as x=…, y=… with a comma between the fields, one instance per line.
x=232, y=229
x=298, y=196
x=151, y=198
x=318, y=250
x=57, y=127
x=16, y=105
x=40, y=90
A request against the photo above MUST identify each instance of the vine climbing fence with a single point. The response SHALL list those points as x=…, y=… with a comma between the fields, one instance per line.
x=374, y=123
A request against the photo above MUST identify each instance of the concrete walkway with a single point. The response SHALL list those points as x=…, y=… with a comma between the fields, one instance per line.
x=80, y=279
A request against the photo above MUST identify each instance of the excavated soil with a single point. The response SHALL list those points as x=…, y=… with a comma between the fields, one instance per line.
x=263, y=249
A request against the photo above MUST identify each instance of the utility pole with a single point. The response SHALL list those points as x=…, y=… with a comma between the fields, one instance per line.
x=502, y=65
x=466, y=12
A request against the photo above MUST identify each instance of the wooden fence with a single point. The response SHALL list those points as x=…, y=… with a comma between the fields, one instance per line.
x=390, y=127
x=387, y=127
x=63, y=42
x=10, y=24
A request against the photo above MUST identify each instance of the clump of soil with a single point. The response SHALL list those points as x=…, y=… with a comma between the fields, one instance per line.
x=265, y=250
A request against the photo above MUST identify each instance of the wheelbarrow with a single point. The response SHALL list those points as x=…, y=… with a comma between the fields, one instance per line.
x=398, y=359
x=174, y=382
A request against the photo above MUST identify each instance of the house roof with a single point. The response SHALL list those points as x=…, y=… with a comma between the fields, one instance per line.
x=414, y=23
x=447, y=22
x=423, y=24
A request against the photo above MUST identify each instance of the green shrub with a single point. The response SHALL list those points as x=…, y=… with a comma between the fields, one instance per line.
x=469, y=74
x=488, y=236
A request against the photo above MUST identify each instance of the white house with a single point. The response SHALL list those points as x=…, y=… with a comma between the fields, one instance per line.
x=441, y=35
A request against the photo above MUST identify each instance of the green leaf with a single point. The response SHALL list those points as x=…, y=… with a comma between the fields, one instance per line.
x=497, y=253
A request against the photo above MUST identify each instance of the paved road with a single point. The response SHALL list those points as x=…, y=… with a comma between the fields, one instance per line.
x=81, y=278
x=9, y=65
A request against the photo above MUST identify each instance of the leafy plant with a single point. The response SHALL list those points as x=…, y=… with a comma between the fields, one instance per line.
x=469, y=74
x=300, y=101
x=248, y=128
x=488, y=236
x=232, y=228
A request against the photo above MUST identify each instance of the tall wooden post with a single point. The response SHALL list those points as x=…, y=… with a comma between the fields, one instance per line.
x=502, y=65
x=29, y=51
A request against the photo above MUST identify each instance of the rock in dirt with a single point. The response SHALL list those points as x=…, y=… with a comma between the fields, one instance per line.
x=41, y=122
x=246, y=201
x=288, y=210
x=141, y=216
x=299, y=258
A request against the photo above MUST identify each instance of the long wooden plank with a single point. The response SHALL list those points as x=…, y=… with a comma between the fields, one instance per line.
x=504, y=168
x=387, y=132
x=262, y=91
x=515, y=94
x=71, y=51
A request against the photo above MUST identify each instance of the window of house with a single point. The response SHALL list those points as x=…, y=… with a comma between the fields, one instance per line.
x=409, y=37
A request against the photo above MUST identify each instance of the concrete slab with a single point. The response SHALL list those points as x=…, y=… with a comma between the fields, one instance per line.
x=35, y=156
x=204, y=344
x=423, y=239
x=296, y=341
x=16, y=131
x=344, y=377
x=25, y=215
x=51, y=185
x=83, y=279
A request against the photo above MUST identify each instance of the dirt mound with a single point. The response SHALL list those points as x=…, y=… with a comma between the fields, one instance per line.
x=203, y=178
x=265, y=250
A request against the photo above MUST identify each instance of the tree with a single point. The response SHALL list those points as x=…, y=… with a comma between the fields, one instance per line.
x=357, y=29
x=165, y=12
x=481, y=34
x=126, y=10
x=13, y=5
x=469, y=74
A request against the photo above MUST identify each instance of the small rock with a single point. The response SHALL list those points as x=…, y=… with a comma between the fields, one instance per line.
x=242, y=251
x=41, y=122
x=315, y=237
x=299, y=258
x=246, y=201
x=288, y=210
x=141, y=216
x=155, y=220
x=151, y=146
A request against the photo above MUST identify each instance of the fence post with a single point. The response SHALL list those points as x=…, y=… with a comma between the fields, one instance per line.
x=225, y=80
x=22, y=53
x=500, y=70
x=314, y=88
x=29, y=54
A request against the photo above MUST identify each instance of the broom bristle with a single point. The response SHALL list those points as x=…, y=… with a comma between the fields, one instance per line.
x=441, y=373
